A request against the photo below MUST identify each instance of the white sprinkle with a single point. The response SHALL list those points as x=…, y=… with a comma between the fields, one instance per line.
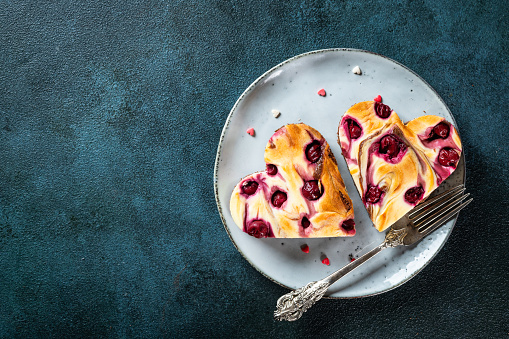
x=276, y=113
x=357, y=70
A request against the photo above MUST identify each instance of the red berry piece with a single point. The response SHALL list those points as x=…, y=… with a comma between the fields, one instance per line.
x=354, y=129
x=271, y=169
x=382, y=110
x=322, y=92
x=311, y=190
x=258, y=229
x=441, y=130
x=278, y=198
x=314, y=151
x=348, y=225
x=305, y=222
x=250, y=131
x=390, y=145
x=373, y=194
x=326, y=261
x=249, y=187
x=448, y=157
x=378, y=98
x=352, y=259
x=304, y=248
x=414, y=195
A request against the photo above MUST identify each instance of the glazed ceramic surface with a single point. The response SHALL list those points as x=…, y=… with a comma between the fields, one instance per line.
x=292, y=88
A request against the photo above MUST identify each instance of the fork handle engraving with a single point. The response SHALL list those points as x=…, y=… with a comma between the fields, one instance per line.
x=292, y=306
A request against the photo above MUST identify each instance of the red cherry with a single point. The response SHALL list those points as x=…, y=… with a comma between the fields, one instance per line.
x=304, y=248
x=278, y=198
x=305, y=222
x=382, y=110
x=271, y=169
x=326, y=261
x=258, y=229
x=414, y=194
x=348, y=225
x=354, y=129
x=390, y=145
x=311, y=190
x=441, y=130
x=314, y=151
x=373, y=194
x=448, y=157
x=249, y=187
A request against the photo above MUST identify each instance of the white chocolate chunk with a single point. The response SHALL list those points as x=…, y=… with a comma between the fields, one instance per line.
x=357, y=70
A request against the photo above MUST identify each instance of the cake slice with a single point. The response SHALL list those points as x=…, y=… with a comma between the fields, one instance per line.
x=394, y=165
x=300, y=194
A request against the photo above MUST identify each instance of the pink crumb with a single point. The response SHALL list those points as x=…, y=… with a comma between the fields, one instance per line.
x=326, y=261
x=304, y=248
x=378, y=98
x=321, y=92
x=250, y=131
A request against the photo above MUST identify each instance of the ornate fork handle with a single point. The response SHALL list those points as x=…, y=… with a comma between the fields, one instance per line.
x=292, y=305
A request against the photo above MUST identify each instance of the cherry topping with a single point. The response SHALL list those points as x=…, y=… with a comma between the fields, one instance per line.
x=354, y=129
x=258, y=229
x=348, y=225
x=414, y=194
x=304, y=248
x=271, y=169
x=305, y=222
x=313, y=151
x=391, y=145
x=278, y=198
x=249, y=187
x=373, y=194
x=448, y=157
x=326, y=261
x=441, y=130
x=382, y=110
x=311, y=190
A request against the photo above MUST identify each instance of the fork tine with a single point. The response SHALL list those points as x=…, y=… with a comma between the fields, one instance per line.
x=431, y=211
x=424, y=208
x=442, y=208
x=427, y=230
x=431, y=201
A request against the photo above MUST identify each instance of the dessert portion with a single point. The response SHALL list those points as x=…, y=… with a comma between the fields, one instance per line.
x=300, y=194
x=394, y=165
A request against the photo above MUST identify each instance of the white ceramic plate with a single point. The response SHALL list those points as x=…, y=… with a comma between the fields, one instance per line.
x=291, y=87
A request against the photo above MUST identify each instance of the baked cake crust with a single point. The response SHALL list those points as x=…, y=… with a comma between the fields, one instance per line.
x=395, y=166
x=300, y=195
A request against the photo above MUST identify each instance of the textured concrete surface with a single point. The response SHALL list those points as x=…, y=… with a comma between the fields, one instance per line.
x=110, y=115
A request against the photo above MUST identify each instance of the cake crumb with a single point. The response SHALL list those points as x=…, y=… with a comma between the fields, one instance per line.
x=357, y=70
x=378, y=98
x=326, y=261
x=322, y=93
x=276, y=113
x=251, y=131
x=304, y=248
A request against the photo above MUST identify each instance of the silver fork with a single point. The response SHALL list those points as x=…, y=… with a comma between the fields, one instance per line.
x=415, y=225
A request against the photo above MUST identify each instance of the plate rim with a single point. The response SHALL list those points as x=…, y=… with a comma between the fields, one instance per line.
x=251, y=87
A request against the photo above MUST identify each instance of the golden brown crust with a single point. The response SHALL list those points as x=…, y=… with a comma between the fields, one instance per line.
x=286, y=150
x=416, y=167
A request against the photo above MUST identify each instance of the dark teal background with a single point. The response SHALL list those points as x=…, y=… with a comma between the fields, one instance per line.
x=110, y=117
